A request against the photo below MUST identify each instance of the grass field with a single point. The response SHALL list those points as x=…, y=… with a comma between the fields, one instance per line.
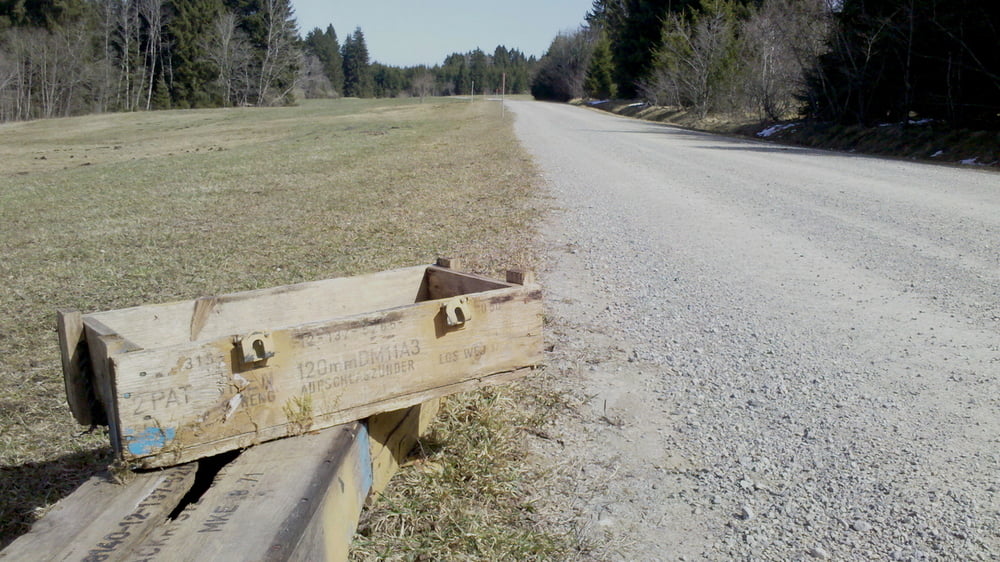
x=111, y=211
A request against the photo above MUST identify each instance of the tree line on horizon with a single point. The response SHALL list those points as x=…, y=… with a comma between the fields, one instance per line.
x=69, y=57
x=72, y=57
x=335, y=69
x=850, y=61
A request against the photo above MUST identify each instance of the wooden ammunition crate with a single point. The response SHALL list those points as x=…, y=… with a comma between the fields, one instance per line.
x=179, y=381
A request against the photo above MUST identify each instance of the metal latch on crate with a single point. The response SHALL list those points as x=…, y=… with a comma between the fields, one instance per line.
x=255, y=348
x=457, y=311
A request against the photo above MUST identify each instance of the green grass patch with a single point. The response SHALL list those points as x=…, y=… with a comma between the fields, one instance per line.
x=111, y=211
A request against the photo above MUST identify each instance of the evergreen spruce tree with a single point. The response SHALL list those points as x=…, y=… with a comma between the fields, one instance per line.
x=599, y=82
x=358, y=79
x=478, y=71
x=325, y=46
x=890, y=61
x=188, y=26
x=161, y=94
x=634, y=30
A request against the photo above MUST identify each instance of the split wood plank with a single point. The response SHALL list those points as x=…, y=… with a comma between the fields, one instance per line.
x=102, y=520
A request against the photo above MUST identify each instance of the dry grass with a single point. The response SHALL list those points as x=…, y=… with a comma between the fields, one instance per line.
x=111, y=211
x=467, y=494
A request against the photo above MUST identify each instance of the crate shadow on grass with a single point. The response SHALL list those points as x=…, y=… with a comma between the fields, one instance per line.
x=32, y=486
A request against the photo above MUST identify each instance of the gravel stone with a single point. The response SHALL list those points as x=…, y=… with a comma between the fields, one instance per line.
x=861, y=526
x=819, y=552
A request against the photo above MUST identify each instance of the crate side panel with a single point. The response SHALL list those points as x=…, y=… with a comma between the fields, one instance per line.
x=162, y=325
x=445, y=283
x=199, y=397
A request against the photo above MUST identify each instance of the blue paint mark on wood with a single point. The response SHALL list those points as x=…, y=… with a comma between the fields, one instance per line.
x=149, y=440
x=365, y=459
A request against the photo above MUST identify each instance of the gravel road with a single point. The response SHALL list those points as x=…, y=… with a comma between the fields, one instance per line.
x=771, y=353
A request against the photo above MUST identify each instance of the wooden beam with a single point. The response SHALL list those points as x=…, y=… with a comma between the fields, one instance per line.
x=103, y=520
x=293, y=499
x=393, y=435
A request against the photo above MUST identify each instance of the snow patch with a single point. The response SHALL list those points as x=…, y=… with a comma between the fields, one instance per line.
x=639, y=104
x=910, y=122
x=936, y=154
x=775, y=129
x=971, y=162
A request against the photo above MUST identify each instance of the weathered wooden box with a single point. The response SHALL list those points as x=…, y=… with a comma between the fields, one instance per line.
x=179, y=381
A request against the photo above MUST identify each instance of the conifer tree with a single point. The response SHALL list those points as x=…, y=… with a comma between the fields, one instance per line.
x=478, y=71
x=190, y=22
x=325, y=46
x=599, y=82
x=358, y=79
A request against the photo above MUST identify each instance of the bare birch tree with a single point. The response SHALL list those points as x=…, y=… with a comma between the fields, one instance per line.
x=781, y=41
x=423, y=83
x=227, y=49
x=280, y=53
x=152, y=12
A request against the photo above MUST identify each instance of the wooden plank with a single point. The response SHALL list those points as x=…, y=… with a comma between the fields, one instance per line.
x=444, y=283
x=520, y=277
x=102, y=520
x=428, y=411
x=181, y=402
x=393, y=435
x=162, y=325
x=80, y=395
x=450, y=263
x=293, y=499
x=103, y=344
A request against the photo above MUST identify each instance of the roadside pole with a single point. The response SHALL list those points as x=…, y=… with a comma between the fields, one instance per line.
x=503, y=92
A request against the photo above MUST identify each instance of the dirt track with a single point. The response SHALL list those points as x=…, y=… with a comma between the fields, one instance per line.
x=774, y=353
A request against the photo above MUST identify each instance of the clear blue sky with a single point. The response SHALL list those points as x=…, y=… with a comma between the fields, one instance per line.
x=408, y=32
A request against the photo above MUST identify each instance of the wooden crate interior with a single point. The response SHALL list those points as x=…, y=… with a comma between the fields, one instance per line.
x=158, y=326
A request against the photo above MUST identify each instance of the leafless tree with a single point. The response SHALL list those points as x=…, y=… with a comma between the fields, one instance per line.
x=42, y=72
x=313, y=79
x=423, y=84
x=128, y=40
x=781, y=41
x=280, y=52
x=227, y=49
x=560, y=73
x=697, y=63
x=152, y=12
